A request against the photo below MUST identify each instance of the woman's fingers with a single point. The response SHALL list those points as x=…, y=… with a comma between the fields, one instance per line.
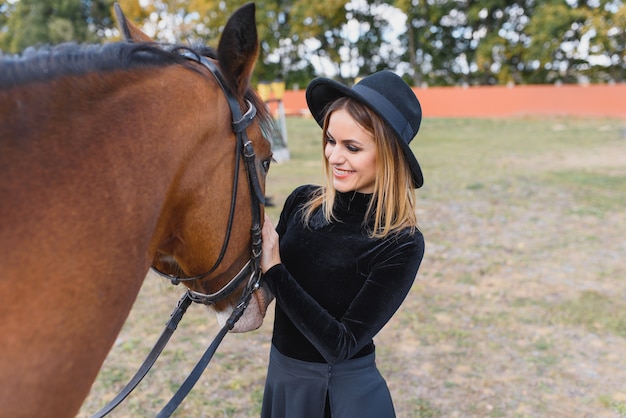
x=271, y=254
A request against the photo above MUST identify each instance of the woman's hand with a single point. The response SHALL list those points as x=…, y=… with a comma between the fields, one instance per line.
x=271, y=254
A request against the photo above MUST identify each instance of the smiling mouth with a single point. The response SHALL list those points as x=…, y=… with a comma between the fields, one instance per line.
x=342, y=173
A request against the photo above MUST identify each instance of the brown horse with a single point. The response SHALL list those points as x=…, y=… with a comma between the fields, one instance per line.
x=112, y=159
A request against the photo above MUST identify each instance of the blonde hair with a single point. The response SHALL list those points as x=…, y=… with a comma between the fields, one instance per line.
x=392, y=206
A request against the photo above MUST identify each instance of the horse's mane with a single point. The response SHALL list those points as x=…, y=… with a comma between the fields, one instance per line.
x=70, y=59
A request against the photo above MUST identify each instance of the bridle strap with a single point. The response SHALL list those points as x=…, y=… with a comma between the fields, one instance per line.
x=211, y=298
x=197, y=371
x=257, y=199
x=243, y=146
x=152, y=357
x=247, y=117
x=252, y=267
x=240, y=123
x=154, y=354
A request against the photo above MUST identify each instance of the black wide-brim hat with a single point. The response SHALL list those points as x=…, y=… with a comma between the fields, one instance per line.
x=387, y=95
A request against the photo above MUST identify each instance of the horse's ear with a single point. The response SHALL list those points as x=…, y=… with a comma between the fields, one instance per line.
x=130, y=32
x=238, y=48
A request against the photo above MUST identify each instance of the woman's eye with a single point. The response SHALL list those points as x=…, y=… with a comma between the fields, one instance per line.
x=329, y=140
x=352, y=148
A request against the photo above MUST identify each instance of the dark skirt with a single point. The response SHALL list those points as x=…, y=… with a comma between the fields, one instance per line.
x=300, y=389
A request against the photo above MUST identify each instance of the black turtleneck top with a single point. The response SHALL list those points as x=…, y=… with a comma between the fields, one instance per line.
x=337, y=287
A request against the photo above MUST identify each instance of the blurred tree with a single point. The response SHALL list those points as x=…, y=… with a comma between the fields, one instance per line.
x=496, y=48
x=514, y=41
x=318, y=25
x=606, y=30
x=444, y=42
x=40, y=22
x=435, y=50
x=365, y=44
x=554, y=30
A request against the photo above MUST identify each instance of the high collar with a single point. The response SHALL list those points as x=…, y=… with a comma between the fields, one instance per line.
x=351, y=203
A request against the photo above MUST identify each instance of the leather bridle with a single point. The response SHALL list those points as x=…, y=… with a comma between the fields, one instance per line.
x=251, y=270
x=243, y=147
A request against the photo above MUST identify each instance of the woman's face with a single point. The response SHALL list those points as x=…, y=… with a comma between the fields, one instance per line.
x=351, y=153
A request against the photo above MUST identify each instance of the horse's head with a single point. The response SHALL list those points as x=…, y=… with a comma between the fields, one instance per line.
x=210, y=235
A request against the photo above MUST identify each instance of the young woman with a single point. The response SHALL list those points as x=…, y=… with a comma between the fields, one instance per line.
x=344, y=256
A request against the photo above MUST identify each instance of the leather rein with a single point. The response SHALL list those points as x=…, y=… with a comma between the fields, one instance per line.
x=251, y=270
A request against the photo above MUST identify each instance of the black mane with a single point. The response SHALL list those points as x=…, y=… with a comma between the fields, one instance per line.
x=76, y=59
x=48, y=63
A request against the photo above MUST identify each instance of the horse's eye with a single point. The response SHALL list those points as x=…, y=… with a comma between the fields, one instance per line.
x=266, y=164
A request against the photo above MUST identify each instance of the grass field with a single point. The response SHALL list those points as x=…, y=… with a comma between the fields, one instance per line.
x=519, y=308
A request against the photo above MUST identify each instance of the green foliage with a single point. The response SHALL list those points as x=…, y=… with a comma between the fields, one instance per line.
x=609, y=28
x=41, y=22
x=444, y=42
x=500, y=42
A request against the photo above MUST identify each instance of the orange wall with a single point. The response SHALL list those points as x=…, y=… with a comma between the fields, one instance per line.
x=597, y=100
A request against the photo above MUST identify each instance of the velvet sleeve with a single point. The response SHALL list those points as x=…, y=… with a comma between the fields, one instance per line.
x=387, y=285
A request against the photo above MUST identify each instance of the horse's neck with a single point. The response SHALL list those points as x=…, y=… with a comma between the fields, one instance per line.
x=87, y=166
x=91, y=163
x=109, y=137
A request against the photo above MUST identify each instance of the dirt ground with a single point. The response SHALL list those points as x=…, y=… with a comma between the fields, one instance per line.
x=529, y=302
